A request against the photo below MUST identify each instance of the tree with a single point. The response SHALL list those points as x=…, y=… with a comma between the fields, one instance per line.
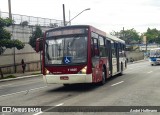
x=24, y=23
x=5, y=38
x=129, y=36
x=36, y=34
x=153, y=35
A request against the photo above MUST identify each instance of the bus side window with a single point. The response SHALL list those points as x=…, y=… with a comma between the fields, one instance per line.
x=95, y=47
x=120, y=50
x=92, y=48
x=123, y=49
x=113, y=50
x=102, y=48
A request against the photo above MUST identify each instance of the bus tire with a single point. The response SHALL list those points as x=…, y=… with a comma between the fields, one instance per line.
x=103, y=77
x=121, y=73
x=66, y=85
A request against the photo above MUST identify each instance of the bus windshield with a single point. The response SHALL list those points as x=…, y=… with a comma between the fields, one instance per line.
x=66, y=50
x=155, y=53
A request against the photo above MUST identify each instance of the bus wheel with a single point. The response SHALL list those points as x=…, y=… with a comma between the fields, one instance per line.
x=121, y=73
x=103, y=77
x=66, y=85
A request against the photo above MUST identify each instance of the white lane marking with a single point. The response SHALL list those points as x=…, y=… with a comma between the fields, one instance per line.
x=5, y=85
x=48, y=109
x=22, y=91
x=37, y=88
x=38, y=113
x=12, y=93
x=150, y=72
x=59, y=104
x=130, y=68
x=117, y=83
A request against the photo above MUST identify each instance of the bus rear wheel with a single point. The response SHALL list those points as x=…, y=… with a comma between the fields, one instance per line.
x=103, y=77
x=121, y=73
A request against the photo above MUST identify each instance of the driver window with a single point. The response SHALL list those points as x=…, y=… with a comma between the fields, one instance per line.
x=95, y=47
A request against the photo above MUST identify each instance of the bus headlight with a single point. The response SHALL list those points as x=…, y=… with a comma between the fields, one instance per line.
x=83, y=70
x=47, y=72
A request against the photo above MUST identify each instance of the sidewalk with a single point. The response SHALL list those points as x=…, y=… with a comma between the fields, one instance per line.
x=137, y=61
x=38, y=73
x=21, y=75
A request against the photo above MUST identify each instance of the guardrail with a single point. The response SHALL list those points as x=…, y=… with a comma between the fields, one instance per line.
x=31, y=20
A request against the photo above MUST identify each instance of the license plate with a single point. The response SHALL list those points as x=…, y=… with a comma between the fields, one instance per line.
x=64, y=78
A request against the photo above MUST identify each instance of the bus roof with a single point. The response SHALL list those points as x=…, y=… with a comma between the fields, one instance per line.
x=71, y=26
x=110, y=37
x=114, y=38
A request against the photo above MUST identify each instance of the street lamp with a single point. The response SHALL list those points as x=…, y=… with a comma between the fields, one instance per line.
x=77, y=15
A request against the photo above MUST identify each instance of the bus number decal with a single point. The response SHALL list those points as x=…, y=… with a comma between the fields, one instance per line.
x=72, y=69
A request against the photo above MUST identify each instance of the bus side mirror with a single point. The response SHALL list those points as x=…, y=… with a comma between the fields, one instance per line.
x=39, y=44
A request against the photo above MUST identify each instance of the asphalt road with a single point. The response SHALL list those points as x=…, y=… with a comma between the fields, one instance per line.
x=138, y=86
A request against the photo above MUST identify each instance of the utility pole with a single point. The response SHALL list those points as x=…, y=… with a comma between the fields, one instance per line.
x=145, y=42
x=64, y=18
x=69, y=17
x=123, y=34
x=9, y=7
x=10, y=16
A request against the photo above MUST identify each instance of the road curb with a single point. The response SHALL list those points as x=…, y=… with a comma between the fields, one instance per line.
x=137, y=61
x=17, y=78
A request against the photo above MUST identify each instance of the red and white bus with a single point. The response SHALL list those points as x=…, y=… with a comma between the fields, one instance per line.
x=81, y=54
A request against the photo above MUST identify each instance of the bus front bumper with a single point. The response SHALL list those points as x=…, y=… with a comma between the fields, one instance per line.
x=68, y=78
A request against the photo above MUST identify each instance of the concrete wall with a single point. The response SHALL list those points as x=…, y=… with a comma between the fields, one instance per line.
x=31, y=66
x=135, y=55
x=31, y=58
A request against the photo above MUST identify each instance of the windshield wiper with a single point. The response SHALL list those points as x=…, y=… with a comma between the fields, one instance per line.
x=74, y=38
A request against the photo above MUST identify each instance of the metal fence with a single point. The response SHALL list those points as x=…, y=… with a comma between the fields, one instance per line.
x=30, y=20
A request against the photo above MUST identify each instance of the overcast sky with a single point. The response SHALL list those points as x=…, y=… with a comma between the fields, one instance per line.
x=107, y=15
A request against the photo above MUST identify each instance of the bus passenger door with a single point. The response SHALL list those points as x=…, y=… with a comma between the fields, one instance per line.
x=117, y=55
x=95, y=59
x=109, y=52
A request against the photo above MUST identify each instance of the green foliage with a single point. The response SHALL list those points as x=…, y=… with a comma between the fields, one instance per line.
x=129, y=36
x=36, y=34
x=4, y=34
x=9, y=76
x=5, y=37
x=153, y=35
x=5, y=22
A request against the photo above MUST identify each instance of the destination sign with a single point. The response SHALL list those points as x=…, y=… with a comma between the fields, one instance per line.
x=65, y=32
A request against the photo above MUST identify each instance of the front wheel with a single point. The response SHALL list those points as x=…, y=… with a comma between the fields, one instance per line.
x=66, y=85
